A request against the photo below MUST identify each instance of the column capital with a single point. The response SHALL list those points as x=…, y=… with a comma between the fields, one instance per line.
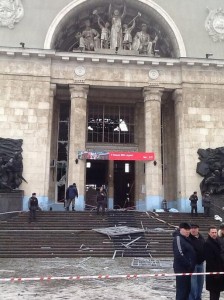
x=177, y=95
x=152, y=93
x=53, y=88
x=79, y=91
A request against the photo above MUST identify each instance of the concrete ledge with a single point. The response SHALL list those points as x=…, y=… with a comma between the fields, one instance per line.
x=11, y=201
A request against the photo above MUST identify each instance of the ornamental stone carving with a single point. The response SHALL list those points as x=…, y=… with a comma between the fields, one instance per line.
x=153, y=74
x=11, y=12
x=214, y=24
x=80, y=71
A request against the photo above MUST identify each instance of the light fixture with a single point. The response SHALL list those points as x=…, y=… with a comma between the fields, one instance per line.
x=76, y=161
x=207, y=55
x=127, y=168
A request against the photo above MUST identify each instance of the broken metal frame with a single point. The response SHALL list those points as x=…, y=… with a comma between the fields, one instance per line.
x=151, y=263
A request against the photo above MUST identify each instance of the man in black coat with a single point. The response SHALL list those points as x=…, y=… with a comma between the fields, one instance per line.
x=214, y=263
x=33, y=207
x=194, y=199
x=184, y=260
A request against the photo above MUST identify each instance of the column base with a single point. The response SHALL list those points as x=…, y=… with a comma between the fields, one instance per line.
x=153, y=202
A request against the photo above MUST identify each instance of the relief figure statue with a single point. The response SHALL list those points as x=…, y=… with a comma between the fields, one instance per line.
x=127, y=39
x=89, y=39
x=105, y=34
x=116, y=36
x=143, y=43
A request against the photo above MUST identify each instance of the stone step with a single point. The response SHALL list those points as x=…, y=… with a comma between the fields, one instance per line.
x=70, y=234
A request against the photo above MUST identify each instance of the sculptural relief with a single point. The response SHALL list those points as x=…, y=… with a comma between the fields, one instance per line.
x=117, y=25
x=11, y=12
x=11, y=164
x=112, y=29
x=214, y=24
x=211, y=167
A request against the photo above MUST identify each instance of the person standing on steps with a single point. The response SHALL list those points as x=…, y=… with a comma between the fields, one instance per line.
x=194, y=199
x=206, y=203
x=197, y=281
x=101, y=201
x=71, y=194
x=33, y=207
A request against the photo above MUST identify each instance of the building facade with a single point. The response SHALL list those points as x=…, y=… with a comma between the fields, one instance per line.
x=99, y=76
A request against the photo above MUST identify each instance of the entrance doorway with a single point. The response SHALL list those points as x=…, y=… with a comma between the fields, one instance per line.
x=124, y=184
x=96, y=176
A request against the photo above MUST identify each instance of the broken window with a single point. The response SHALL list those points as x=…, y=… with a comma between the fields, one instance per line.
x=110, y=123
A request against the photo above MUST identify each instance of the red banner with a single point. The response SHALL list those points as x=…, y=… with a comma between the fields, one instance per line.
x=104, y=155
x=131, y=156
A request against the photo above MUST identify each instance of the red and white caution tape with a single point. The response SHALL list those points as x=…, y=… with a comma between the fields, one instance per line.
x=84, y=277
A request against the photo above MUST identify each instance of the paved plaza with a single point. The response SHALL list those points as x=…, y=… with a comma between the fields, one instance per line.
x=91, y=289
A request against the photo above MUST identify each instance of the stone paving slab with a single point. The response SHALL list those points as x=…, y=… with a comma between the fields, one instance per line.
x=94, y=289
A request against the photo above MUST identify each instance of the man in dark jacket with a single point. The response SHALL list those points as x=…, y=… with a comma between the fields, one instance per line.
x=206, y=203
x=197, y=282
x=33, y=207
x=184, y=260
x=101, y=201
x=71, y=194
x=214, y=263
x=194, y=199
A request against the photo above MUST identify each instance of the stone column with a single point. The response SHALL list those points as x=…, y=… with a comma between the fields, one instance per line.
x=153, y=170
x=139, y=165
x=77, y=141
x=179, y=128
x=51, y=174
x=110, y=200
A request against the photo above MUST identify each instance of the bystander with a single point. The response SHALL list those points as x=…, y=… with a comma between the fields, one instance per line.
x=184, y=260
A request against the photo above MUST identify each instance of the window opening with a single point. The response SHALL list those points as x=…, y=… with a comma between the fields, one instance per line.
x=62, y=156
x=110, y=123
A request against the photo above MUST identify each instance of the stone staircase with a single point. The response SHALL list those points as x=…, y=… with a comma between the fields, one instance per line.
x=70, y=234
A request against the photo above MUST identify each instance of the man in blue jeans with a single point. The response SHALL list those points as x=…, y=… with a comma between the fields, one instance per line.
x=71, y=194
x=184, y=260
x=197, y=281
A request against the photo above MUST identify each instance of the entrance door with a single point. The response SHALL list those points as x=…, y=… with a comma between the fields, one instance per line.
x=124, y=189
x=96, y=176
